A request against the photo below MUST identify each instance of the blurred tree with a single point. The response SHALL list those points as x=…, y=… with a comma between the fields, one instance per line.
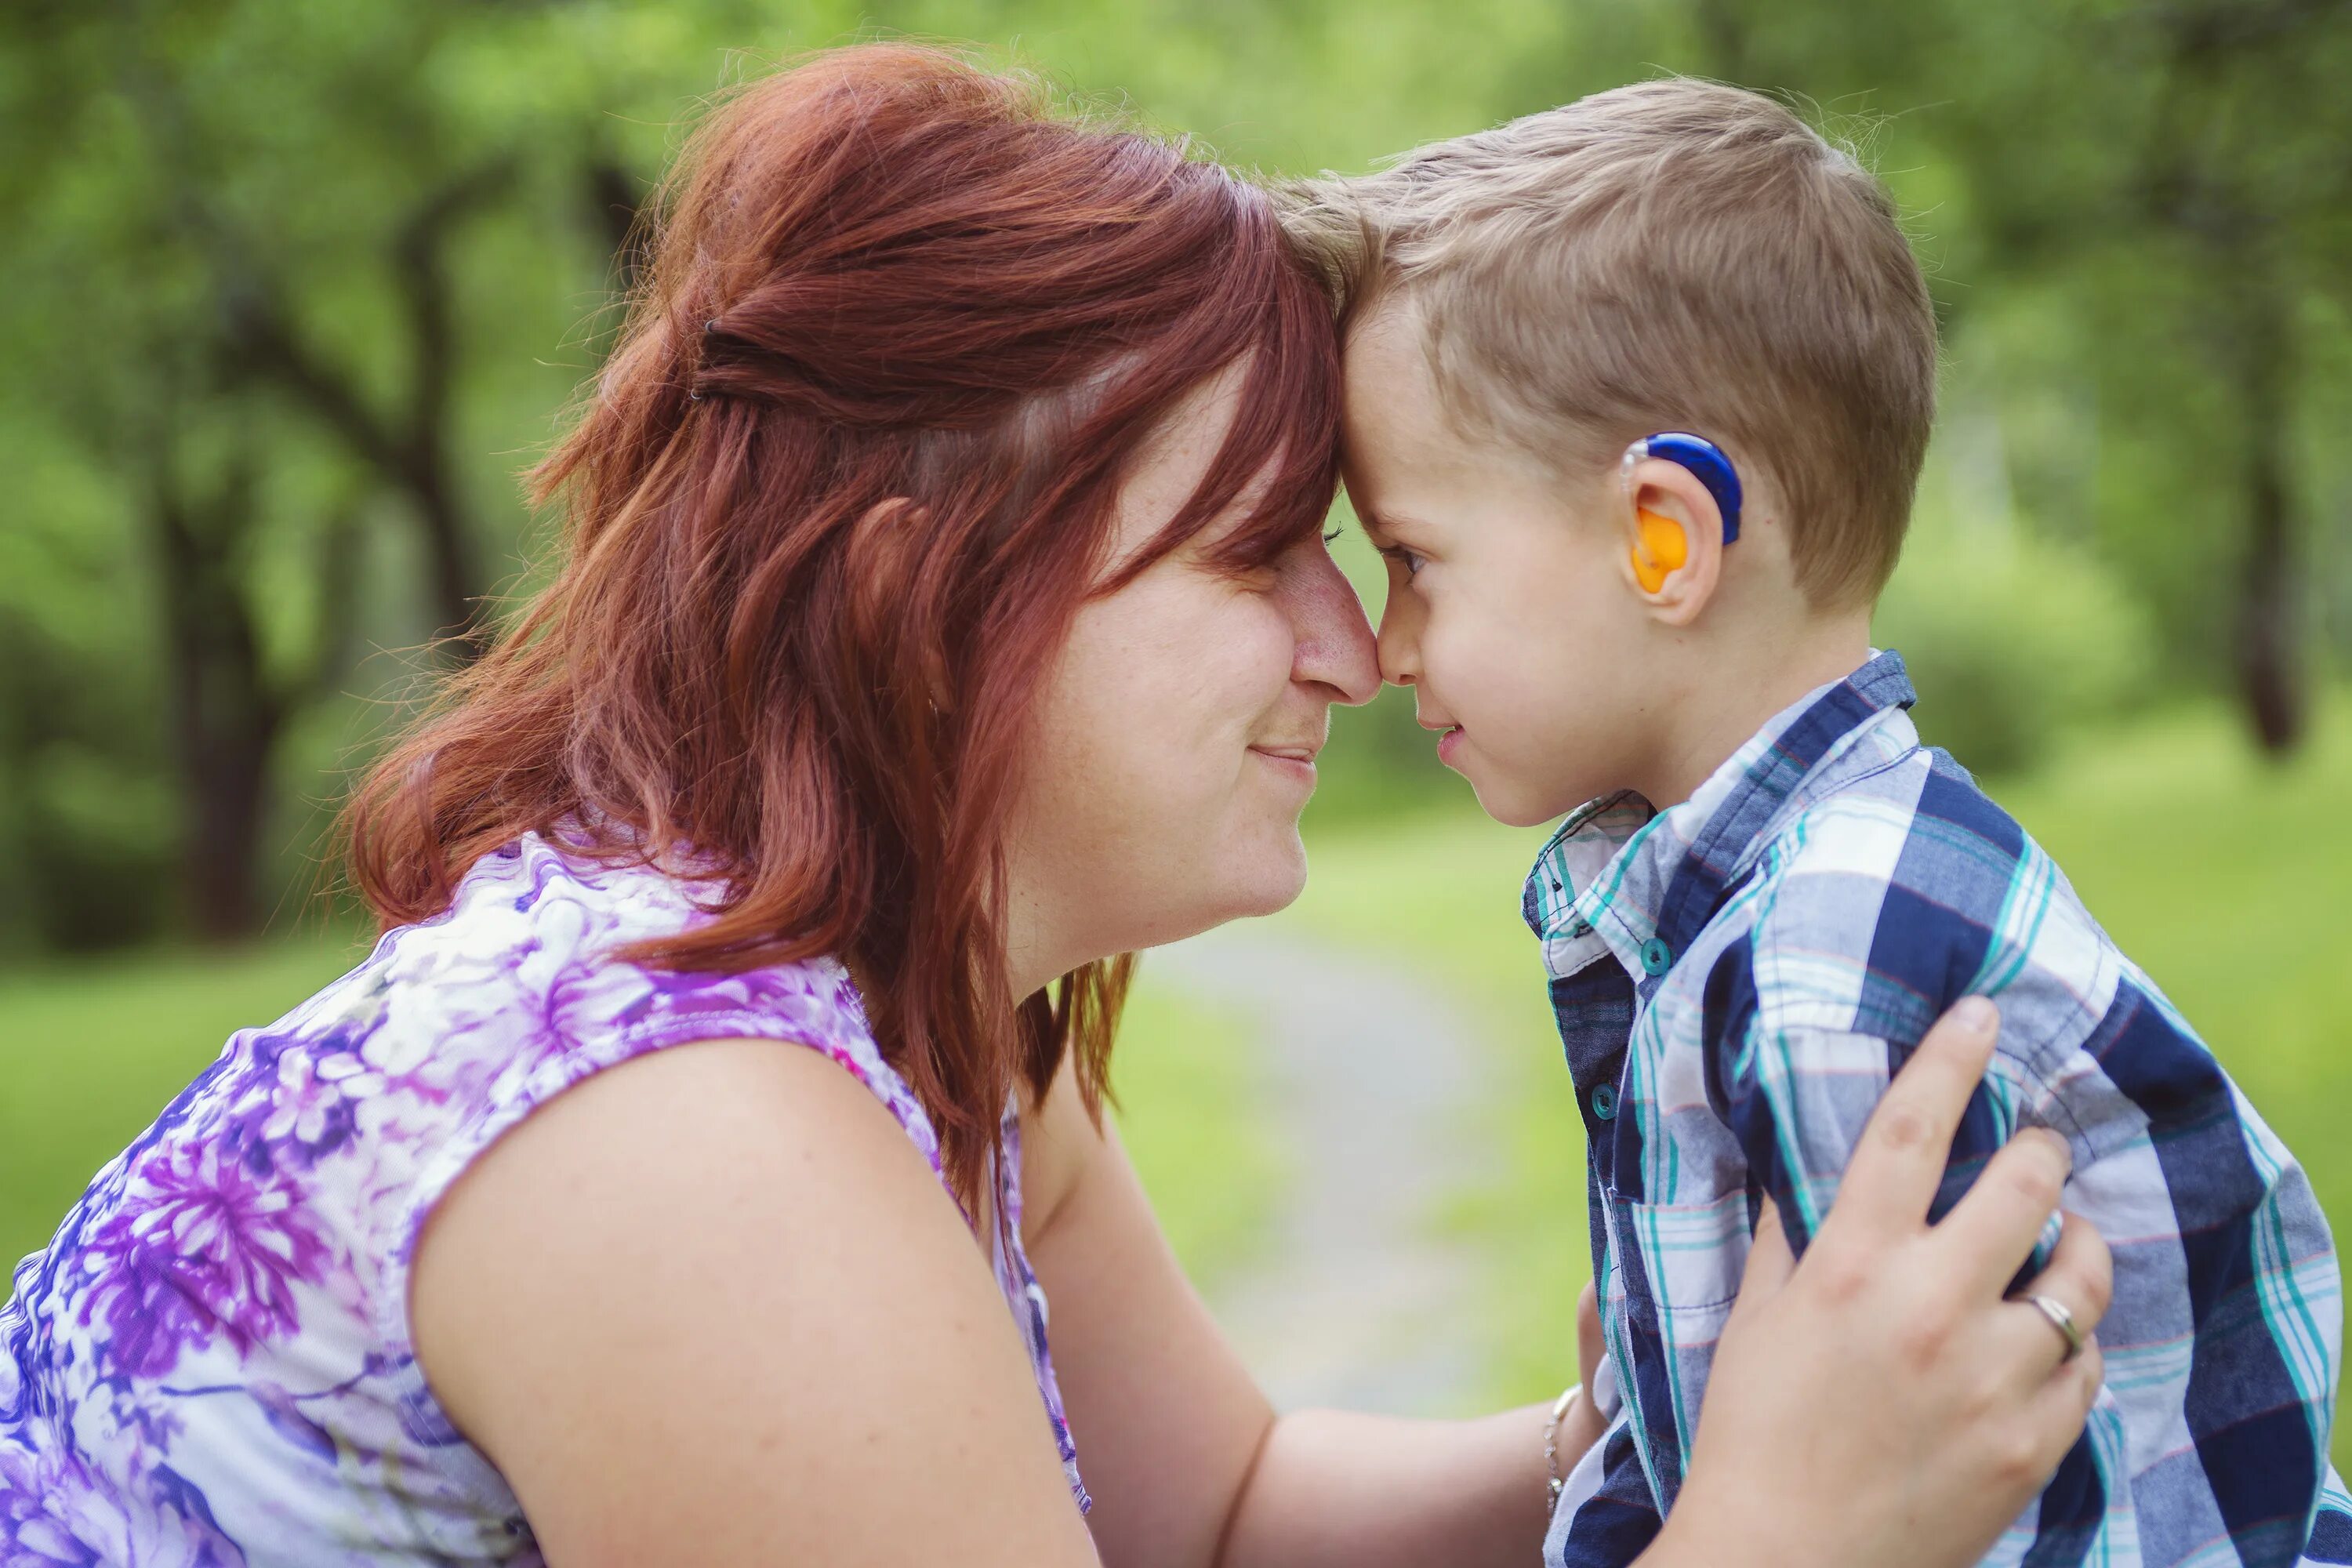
x=2175, y=173
x=286, y=271
x=227, y=704
x=295, y=288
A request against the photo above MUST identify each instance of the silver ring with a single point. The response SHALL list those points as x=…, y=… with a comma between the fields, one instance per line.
x=2063, y=1321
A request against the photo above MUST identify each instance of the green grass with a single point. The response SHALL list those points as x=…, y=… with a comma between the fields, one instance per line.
x=89, y=1052
x=1439, y=895
x=1195, y=1124
x=2228, y=878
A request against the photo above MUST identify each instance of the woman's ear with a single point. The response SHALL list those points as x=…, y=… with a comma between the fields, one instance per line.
x=1673, y=533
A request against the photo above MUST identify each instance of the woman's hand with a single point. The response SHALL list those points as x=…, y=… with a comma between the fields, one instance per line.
x=1881, y=1402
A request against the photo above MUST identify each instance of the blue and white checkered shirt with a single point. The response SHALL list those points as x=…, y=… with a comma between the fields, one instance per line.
x=1737, y=978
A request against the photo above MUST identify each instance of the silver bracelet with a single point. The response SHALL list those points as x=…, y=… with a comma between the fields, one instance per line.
x=1558, y=1483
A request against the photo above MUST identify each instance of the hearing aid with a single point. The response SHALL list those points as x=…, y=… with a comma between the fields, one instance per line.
x=1661, y=547
x=1662, y=550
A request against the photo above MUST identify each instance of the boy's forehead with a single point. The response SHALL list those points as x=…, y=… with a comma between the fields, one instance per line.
x=1389, y=411
x=1400, y=451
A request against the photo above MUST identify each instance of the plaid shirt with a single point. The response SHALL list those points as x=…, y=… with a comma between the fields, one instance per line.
x=1737, y=978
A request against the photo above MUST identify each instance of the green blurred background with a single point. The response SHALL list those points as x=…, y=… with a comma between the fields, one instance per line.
x=294, y=292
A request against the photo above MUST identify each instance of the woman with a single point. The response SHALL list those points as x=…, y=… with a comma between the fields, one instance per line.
x=941, y=617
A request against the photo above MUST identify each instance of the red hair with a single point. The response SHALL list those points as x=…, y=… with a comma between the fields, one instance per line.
x=830, y=511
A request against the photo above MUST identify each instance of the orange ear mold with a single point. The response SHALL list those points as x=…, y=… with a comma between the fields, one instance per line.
x=1663, y=549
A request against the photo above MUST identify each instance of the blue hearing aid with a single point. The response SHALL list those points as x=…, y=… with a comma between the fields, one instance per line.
x=1705, y=461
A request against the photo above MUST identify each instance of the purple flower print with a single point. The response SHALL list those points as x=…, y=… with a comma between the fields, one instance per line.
x=311, y=1103
x=34, y=1530
x=201, y=1245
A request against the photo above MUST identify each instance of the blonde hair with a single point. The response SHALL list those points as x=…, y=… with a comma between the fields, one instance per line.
x=1673, y=254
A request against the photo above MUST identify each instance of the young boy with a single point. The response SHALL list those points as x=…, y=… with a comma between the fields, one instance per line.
x=1637, y=394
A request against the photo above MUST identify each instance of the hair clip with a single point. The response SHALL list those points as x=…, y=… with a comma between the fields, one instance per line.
x=1707, y=463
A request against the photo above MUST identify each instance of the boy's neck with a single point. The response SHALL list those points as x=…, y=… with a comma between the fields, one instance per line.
x=1721, y=707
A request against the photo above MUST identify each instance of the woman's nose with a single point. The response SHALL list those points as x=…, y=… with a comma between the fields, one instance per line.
x=1335, y=644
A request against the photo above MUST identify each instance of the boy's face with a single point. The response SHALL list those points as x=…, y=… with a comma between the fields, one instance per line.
x=1509, y=611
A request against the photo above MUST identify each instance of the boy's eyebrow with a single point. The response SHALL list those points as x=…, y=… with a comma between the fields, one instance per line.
x=1375, y=523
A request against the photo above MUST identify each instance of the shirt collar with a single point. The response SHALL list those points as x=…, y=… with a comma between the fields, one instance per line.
x=1622, y=878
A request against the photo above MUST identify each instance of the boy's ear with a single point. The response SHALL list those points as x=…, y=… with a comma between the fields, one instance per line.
x=1673, y=532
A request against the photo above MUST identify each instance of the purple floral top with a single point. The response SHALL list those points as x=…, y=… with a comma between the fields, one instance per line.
x=211, y=1364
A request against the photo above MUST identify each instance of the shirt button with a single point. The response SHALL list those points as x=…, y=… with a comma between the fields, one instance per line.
x=1604, y=1101
x=1656, y=956
x=1581, y=929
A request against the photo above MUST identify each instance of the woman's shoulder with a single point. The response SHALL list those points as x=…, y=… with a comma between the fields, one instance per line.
x=234, y=1283
x=525, y=986
x=530, y=965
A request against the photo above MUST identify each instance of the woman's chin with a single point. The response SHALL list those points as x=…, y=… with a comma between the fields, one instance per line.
x=1270, y=880
x=1247, y=880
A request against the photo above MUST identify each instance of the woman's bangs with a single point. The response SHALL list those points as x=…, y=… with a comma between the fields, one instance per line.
x=1285, y=440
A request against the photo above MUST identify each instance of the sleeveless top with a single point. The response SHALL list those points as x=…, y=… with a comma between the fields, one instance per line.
x=211, y=1363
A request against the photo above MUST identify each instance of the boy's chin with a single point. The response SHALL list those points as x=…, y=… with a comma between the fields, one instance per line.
x=1514, y=804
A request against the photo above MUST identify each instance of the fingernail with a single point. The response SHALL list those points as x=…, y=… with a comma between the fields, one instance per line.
x=1976, y=1014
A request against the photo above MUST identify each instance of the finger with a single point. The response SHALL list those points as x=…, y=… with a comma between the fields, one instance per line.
x=2081, y=1279
x=1992, y=1231
x=1769, y=1262
x=1895, y=1168
x=2060, y=1408
x=2081, y=1272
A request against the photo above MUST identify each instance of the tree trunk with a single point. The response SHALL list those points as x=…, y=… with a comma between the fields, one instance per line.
x=448, y=546
x=2269, y=640
x=226, y=773
x=225, y=719
x=2270, y=625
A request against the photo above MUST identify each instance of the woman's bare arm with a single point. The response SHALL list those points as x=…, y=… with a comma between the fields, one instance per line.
x=1878, y=1404
x=1187, y=1462
x=711, y=1307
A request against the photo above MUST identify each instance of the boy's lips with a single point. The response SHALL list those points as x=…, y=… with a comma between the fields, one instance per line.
x=1448, y=742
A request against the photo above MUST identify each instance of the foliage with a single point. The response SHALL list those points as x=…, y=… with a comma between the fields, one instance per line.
x=2011, y=640
x=295, y=292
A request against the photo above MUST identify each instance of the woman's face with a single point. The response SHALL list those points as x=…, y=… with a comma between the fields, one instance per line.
x=1177, y=736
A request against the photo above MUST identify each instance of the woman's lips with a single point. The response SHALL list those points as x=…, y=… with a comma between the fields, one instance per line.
x=1296, y=761
x=1449, y=744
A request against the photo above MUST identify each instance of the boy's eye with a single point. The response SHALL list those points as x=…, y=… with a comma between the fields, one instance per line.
x=1405, y=558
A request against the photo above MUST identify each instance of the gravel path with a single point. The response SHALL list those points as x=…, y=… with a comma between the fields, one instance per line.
x=1357, y=1301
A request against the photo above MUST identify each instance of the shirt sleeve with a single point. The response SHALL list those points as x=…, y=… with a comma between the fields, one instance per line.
x=2214, y=1230
x=1799, y=1099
